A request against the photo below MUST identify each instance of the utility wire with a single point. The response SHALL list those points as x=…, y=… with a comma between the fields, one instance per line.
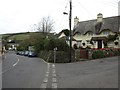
x=65, y=8
x=109, y=3
x=85, y=9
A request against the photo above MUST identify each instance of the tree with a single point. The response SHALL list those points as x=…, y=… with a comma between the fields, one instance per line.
x=66, y=32
x=23, y=45
x=46, y=25
x=112, y=37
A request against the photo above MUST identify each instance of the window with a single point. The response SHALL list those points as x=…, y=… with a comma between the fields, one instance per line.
x=78, y=43
x=88, y=41
x=106, y=33
x=89, y=33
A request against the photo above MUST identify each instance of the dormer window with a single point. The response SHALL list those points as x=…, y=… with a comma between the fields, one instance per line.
x=77, y=34
x=106, y=32
x=90, y=34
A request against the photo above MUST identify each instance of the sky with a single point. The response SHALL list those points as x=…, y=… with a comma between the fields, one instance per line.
x=21, y=15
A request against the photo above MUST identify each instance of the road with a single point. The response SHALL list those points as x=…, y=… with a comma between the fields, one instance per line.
x=23, y=72
x=89, y=74
x=0, y=71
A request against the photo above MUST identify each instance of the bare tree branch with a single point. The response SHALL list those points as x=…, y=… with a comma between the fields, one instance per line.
x=45, y=25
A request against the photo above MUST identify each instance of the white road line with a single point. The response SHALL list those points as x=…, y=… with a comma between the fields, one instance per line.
x=54, y=80
x=54, y=85
x=44, y=85
x=44, y=61
x=47, y=74
x=53, y=65
x=4, y=71
x=10, y=67
x=45, y=80
x=16, y=62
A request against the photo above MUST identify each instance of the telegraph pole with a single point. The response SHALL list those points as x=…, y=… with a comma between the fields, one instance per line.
x=70, y=35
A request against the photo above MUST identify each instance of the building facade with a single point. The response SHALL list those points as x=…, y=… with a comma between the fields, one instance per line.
x=95, y=33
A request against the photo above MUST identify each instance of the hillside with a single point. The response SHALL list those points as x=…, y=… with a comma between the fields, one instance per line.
x=20, y=36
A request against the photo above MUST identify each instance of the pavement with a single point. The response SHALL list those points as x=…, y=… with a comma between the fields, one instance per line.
x=24, y=72
x=100, y=73
x=0, y=71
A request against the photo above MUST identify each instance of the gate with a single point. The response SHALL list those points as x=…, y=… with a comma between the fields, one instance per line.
x=84, y=54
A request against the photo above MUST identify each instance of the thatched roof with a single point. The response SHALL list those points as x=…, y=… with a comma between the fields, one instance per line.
x=111, y=23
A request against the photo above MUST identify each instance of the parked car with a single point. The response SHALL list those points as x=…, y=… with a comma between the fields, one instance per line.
x=20, y=52
x=32, y=54
x=26, y=53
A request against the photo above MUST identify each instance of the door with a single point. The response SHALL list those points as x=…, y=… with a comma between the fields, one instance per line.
x=99, y=44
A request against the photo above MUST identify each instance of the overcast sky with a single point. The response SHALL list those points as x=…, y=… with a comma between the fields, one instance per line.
x=21, y=15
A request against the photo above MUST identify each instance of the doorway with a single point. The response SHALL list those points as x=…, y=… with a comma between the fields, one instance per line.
x=99, y=44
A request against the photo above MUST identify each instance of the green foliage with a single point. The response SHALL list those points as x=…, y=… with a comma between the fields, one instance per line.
x=48, y=56
x=43, y=42
x=105, y=53
x=37, y=40
x=23, y=45
x=98, y=54
x=112, y=37
x=66, y=32
x=61, y=57
x=62, y=45
x=50, y=44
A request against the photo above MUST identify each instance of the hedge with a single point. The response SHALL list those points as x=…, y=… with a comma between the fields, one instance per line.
x=61, y=56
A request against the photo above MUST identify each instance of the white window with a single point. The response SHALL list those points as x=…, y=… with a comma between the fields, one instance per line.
x=106, y=33
x=89, y=33
x=78, y=43
x=88, y=41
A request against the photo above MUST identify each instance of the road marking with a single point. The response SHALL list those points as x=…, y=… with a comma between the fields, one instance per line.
x=4, y=71
x=53, y=65
x=53, y=73
x=47, y=74
x=45, y=80
x=10, y=67
x=16, y=62
x=54, y=85
x=44, y=85
x=54, y=80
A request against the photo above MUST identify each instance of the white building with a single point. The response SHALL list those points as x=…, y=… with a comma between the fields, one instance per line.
x=94, y=33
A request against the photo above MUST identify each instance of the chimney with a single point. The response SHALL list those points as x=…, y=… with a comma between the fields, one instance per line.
x=76, y=20
x=99, y=17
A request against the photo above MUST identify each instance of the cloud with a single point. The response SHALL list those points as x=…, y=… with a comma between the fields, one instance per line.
x=19, y=15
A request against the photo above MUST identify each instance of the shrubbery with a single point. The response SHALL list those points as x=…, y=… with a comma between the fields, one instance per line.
x=108, y=52
x=98, y=54
x=61, y=56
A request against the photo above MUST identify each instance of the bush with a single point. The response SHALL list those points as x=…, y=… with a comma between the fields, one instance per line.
x=61, y=56
x=97, y=54
x=108, y=52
